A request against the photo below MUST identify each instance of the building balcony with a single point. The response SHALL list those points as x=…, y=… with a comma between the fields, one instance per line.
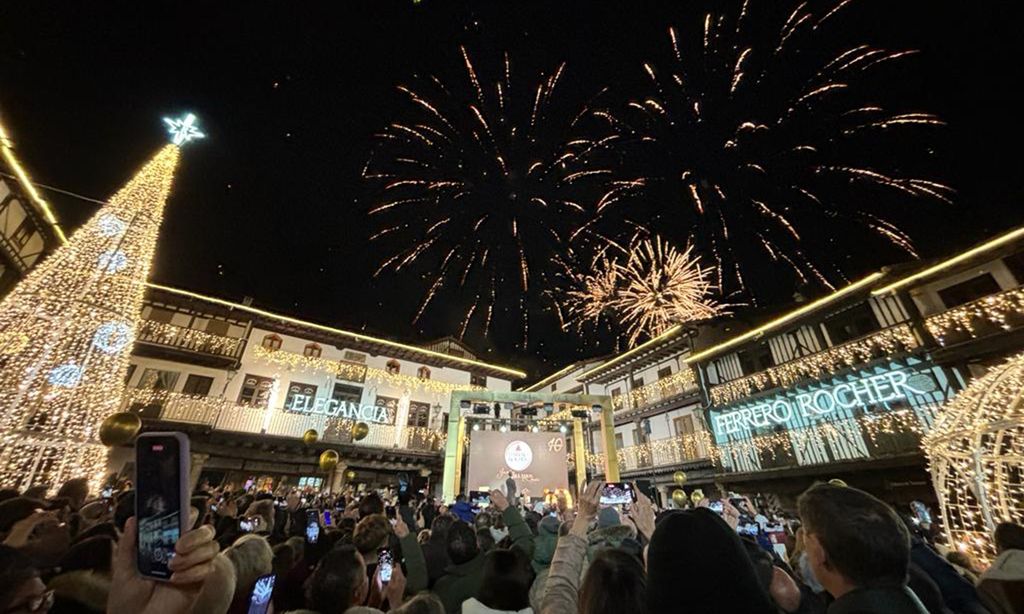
x=220, y=414
x=661, y=454
x=989, y=315
x=161, y=338
x=888, y=342
x=680, y=383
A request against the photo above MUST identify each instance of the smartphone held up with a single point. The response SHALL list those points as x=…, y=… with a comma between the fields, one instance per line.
x=162, y=466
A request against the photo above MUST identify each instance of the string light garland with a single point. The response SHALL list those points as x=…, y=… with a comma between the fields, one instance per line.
x=68, y=329
x=680, y=382
x=1003, y=310
x=355, y=372
x=182, y=336
x=888, y=342
x=975, y=453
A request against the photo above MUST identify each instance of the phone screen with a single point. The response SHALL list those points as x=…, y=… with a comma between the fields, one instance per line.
x=385, y=562
x=248, y=525
x=327, y=518
x=262, y=591
x=160, y=469
x=618, y=493
x=716, y=507
x=479, y=498
x=107, y=492
x=312, y=526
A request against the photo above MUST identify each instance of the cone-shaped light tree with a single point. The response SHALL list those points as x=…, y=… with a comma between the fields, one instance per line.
x=66, y=331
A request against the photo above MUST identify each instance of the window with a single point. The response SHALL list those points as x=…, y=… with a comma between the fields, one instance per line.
x=616, y=393
x=423, y=373
x=393, y=367
x=158, y=379
x=255, y=390
x=271, y=342
x=683, y=425
x=851, y=324
x=478, y=380
x=637, y=382
x=755, y=359
x=619, y=444
x=967, y=291
x=312, y=350
x=554, y=386
x=157, y=314
x=419, y=414
x=198, y=385
x=1016, y=265
x=298, y=389
x=347, y=394
x=217, y=327
x=22, y=234
x=391, y=404
x=355, y=356
x=664, y=372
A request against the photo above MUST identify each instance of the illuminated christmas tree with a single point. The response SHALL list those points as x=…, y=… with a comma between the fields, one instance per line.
x=67, y=329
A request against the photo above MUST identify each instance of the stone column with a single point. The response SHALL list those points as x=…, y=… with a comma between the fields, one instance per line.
x=337, y=479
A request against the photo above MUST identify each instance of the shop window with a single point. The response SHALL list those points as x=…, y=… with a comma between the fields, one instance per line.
x=664, y=372
x=393, y=367
x=197, y=385
x=423, y=373
x=852, y=323
x=1016, y=265
x=271, y=342
x=158, y=379
x=255, y=390
x=347, y=394
x=478, y=380
x=755, y=359
x=970, y=290
x=298, y=389
x=312, y=350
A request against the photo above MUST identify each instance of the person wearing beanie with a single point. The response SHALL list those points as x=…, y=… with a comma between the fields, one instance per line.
x=696, y=559
x=610, y=532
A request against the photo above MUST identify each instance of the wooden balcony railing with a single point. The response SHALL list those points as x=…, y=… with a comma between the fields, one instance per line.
x=679, y=383
x=191, y=339
x=987, y=315
x=890, y=341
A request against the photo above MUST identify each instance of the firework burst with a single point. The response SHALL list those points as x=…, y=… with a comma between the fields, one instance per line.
x=646, y=291
x=478, y=189
x=764, y=148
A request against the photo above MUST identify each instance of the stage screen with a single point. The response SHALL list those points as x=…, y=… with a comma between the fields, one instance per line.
x=536, y=460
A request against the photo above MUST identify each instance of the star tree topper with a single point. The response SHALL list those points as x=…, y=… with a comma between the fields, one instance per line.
x=183, y=130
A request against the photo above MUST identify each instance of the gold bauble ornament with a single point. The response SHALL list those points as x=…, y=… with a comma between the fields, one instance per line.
x=679, y=477
x=329, y=460
x=310, y=437
x=360, y=430
x=120, y=428
x=697, y=496
x=679, y=497
x=838, y=482
x=350, y=475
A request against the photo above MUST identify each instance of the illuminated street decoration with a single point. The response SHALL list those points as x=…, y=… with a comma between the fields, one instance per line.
x=339, y=409
x=183, y=130
x=113, y=261
x=112, y=337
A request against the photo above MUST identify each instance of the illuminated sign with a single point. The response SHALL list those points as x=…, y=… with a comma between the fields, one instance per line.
x=864, y=392
x=334, y=408
x=518, y=455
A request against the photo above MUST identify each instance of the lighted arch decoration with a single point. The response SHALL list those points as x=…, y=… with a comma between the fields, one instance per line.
x=976, y=452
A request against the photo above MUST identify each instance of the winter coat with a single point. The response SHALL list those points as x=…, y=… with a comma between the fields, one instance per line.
x=544, y=543
x=1001, y=588
x=461, y=582
x=878, y=600
x=562, y=589
x=957, y=593
x=472, y=606
x=463, y=511
x=80, y=591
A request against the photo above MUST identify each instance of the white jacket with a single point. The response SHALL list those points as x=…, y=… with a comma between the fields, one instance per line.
x=472, y=606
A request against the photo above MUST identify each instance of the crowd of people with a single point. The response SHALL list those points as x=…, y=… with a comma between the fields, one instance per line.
x=381, y=551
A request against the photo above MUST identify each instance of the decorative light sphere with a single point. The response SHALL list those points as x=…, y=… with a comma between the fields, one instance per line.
x=329, y=460
x=120, y=428
x=310, y=437
x=975, y=453
x=110, y=225
x=679, y=477
x=112, y=337
x=679, y=497
x=67, y=375
x=113, y=261
x=350, y=475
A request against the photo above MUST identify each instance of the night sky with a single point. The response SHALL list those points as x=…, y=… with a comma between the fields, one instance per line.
x=272, y=205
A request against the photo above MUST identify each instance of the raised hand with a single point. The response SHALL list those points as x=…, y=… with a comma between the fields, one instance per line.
x=642, y=515
x=499, y=500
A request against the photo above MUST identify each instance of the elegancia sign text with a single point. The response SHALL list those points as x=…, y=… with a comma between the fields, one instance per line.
x=334, y=408
x=864, y=392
